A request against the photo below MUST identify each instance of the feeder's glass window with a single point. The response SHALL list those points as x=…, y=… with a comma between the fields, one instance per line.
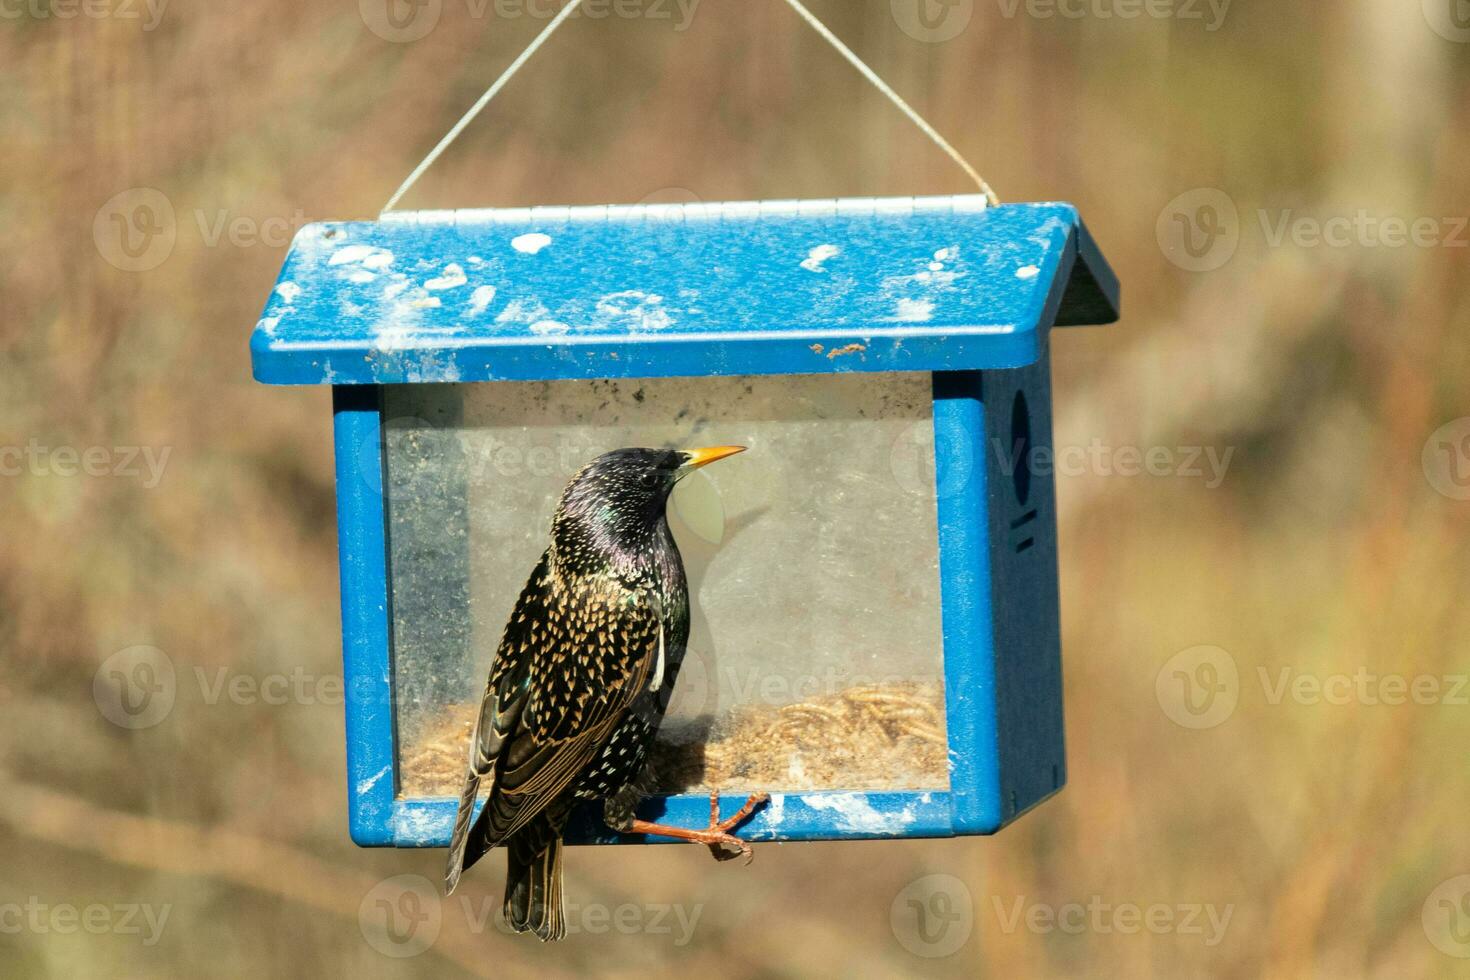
x=815, y=653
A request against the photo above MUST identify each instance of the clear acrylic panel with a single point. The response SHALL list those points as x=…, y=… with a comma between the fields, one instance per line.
x=815, y=655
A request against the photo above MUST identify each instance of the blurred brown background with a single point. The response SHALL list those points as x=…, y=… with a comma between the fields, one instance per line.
x=1329, y=828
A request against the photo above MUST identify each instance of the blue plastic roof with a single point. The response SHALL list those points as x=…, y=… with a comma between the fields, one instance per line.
x=793, y=287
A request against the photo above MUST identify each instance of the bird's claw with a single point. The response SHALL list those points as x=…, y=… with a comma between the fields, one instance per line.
x=719, y=836
x=720, y=844
x=716, y=836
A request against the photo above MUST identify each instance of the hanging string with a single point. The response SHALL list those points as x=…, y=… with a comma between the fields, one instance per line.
x=896, y=99
x=796, y=5
x=484, y=100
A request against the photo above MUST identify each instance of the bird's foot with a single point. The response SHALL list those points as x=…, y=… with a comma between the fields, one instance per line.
x=717, y=835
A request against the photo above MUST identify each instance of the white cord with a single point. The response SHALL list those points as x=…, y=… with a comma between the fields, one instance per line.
x=894, y=97
x=796, y=5
x=490, y=93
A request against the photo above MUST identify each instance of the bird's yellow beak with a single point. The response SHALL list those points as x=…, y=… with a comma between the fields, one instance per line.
x=710, y=454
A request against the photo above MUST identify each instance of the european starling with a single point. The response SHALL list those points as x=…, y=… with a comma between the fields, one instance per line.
x=580, y=682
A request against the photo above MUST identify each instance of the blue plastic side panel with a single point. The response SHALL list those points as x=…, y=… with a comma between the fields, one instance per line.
x=1024, y=603
x=1023, y=599
x=366, y=654
x=964, y=574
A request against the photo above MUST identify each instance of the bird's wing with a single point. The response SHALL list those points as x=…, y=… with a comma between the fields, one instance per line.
x=575, y=656
x=500, y=711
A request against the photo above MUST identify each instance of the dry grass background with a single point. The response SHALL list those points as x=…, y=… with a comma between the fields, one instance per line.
x=1323, y=827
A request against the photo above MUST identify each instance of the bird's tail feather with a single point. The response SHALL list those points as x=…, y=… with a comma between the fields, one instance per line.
x=458, y=841
x=533, y=900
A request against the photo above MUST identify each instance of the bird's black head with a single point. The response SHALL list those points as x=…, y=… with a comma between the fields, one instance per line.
x=617, y=504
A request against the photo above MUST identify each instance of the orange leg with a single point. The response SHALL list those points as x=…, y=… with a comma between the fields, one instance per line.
x=717, y=835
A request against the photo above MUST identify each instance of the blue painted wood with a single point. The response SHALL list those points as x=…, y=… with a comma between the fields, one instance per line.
x=927, y=284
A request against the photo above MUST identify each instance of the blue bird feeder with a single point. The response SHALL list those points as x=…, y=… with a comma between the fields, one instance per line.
x=875, y=629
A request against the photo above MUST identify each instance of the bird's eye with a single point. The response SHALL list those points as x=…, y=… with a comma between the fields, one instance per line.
x=647, y=479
